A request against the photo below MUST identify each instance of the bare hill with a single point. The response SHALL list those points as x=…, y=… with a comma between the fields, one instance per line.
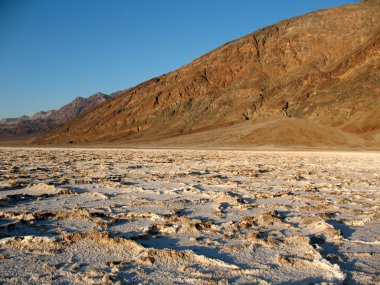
x=312, y=80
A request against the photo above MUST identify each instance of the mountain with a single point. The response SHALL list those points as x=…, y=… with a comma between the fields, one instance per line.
x=311, y=81
x=44, y=121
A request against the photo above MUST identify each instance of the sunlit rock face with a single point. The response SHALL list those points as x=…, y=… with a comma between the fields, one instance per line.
x=321, y=69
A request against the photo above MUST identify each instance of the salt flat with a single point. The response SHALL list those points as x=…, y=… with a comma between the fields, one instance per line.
x=107, y=216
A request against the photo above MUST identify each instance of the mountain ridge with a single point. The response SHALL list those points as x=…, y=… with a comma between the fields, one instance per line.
x=44, y=121
x=322, y=68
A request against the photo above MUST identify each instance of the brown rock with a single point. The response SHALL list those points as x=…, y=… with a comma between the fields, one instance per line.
x=320, y=69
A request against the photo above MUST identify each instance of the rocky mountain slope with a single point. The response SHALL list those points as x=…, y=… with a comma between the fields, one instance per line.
x=312, y=80
x=45, y=121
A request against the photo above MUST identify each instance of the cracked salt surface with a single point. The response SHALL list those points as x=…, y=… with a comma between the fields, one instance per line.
x=80, y=216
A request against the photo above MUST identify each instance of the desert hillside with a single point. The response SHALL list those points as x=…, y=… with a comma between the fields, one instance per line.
x=312, y=80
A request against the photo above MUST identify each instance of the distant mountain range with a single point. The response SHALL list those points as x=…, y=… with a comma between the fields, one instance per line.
x=313, y=80
x=44, y=121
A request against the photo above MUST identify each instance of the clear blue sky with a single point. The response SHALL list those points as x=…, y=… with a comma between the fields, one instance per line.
x=52, y=51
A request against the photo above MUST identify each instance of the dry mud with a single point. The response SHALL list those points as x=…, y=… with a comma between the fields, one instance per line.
x=188, y=217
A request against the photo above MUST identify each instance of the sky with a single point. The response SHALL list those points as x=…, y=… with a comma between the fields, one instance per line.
x=52, y=51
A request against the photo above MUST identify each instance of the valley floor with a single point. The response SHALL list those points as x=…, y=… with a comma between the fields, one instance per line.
x=150, y=216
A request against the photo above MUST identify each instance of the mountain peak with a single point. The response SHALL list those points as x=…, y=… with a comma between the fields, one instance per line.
x=310, y=80
x=318, y=69
x=45, y=120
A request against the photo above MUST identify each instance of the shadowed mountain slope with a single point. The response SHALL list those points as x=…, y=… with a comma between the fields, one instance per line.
x=46, y=120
